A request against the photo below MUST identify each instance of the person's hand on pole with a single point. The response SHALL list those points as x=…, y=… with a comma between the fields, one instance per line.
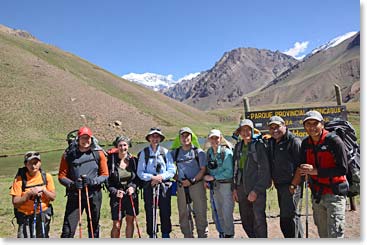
x=120, y=194
x=130, y=190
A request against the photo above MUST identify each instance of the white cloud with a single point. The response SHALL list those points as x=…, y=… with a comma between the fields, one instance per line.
x=297, y=50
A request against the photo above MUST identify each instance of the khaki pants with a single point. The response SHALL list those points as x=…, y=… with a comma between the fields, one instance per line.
x=199, y=203
x=329, y=216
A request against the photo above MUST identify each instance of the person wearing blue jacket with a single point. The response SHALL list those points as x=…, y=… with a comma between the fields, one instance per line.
x=220, y=178
x=156, y=168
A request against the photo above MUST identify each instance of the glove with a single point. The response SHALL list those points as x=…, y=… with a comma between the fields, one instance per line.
x=75, y=185
x=90, y=181
x=78, y=184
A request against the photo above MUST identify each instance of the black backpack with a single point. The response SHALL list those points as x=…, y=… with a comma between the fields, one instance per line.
x=346, y=132
x=22, y=173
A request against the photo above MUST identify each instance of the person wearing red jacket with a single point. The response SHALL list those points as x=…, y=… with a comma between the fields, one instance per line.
x=324, y=165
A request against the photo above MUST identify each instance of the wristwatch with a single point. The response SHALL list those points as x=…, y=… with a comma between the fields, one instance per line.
x=193, y=181
x=293, y=187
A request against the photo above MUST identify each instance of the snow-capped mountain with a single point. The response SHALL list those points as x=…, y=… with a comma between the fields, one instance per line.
x=334, y=42
x=154, y=81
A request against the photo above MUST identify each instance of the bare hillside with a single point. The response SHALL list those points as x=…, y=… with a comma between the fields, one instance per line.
x=46, y=92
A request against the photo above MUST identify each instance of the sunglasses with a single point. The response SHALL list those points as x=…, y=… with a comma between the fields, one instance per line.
x=31, y=154
x=156, y=129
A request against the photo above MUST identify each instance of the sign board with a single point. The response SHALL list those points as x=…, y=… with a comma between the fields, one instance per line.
x=293, y=118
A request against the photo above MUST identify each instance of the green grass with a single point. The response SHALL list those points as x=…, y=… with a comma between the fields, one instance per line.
x=6, y=212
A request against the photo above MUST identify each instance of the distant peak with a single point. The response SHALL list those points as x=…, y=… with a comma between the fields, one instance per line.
x=334, y=42
x=156, y=81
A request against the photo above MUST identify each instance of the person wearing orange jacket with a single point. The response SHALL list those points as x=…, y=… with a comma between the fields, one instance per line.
x=33, y=190
x=84, y=159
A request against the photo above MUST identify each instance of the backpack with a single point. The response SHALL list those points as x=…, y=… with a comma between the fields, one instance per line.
x=141, y=183
x=346, y=132
x=196, y=154
x=147, y=155
x=22, y=173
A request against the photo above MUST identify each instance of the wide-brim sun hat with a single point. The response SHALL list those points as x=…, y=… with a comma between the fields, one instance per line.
x=155, y=131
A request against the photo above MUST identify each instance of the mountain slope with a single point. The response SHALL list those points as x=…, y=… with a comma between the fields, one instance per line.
x=312, y=80
x=47, y=92
x=238, y=72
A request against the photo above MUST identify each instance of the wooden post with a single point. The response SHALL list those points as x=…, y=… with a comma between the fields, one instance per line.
x=338, y=94
x=246, y=105
x=352, y=204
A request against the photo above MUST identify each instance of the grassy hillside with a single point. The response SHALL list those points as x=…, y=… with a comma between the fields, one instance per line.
x=47, y=92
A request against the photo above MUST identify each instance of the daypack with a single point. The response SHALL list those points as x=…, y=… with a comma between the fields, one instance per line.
x=196, y=154
x=346, y=132
x=147, y=155
x=22, y=173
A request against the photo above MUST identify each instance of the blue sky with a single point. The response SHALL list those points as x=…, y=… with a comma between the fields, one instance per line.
x=178, y=37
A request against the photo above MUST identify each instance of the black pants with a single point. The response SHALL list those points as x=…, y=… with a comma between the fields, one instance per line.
x=164, y=210
x=71, y=217
x=253, y=215
x=290, y=222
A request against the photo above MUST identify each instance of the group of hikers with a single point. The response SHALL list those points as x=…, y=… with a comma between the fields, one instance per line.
x=239, y=174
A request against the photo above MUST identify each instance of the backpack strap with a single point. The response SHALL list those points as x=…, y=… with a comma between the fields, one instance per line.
x=223, y=152
x=196, y=154
x=163, y=153
x=146, y=157
x=23, y=176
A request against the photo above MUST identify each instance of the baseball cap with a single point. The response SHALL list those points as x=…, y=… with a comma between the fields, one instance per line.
x=185, y=130
x=85, y=131
x=246, y=122
x=276, y=120
x=31, y=155
x=313, y=115
x=214, y=132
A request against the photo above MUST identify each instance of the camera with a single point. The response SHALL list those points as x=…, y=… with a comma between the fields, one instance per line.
x=158, y=168
x=212, y=164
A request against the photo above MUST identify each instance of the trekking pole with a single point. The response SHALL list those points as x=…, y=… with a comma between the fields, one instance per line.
x=136, y=220
x=306, y=186
x=120, y=200
x=35, y=204
x=188, y=207
x=221, y=235
x=80, y=209
x=42, y=218
x=154, y=212
x=88, y=205
x=299, y=209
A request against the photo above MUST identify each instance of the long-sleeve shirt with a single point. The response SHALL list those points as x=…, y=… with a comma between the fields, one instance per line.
x=225, y=167
x=147, y=171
